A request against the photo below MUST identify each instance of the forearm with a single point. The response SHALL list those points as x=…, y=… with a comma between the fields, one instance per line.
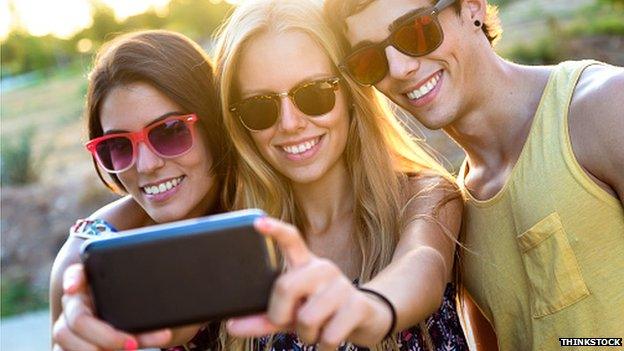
x=414, y=283
x=67, y=255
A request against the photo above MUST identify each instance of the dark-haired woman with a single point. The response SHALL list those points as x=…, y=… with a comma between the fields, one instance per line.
x=155, y=128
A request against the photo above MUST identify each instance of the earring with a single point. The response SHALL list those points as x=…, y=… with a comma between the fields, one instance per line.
x=477, y=23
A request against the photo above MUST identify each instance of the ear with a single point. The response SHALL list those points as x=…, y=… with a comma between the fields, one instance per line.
x=474, y=10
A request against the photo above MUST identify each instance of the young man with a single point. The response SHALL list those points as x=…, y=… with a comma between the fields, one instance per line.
x=544, y=172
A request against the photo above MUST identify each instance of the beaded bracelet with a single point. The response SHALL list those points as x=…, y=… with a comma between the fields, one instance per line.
x=390, y=306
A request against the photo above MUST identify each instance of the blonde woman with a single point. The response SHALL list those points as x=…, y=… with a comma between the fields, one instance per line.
x=368, y=204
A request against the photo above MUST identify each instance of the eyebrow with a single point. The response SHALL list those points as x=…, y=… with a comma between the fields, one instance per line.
x=305, y=80
x=362, y=44
x=156, y=120
x=399, y=21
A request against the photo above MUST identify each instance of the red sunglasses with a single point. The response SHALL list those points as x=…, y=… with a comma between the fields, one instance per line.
x=171, y=137
x=416, y=34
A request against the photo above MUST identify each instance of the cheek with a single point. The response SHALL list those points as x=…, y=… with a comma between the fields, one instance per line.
x=129, y=181
x=384, y=86
x=262, y=140
x=200, y=155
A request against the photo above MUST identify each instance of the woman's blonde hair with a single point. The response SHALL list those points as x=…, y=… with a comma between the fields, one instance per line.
x=380, y=155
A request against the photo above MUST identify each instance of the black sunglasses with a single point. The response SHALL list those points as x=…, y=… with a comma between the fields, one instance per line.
x=418, y=34
x=313, y=98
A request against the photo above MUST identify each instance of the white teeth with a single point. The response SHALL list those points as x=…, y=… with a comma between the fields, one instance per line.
x=162, y=187
x=425, y=88
x=303, y=147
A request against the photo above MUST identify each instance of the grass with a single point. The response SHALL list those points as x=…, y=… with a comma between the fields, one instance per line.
x=51, y=110
x=17, y=296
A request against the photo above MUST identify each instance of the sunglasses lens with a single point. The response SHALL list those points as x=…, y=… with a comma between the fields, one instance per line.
x=418, y=37
x=259, y=113
x=115, y=154
x=171, y=138
x=368, y=66
x=315, y=99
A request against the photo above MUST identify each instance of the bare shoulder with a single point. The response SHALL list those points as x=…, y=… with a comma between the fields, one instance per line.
x=429, y=192
x=431, y=183
x=600, y=88
x=124, y=213
x=596, y=125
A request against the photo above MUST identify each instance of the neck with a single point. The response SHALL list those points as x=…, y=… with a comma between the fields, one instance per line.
x=494, y=123
x=325, y=200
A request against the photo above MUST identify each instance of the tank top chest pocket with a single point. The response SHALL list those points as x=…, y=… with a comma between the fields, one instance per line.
x=551, y=266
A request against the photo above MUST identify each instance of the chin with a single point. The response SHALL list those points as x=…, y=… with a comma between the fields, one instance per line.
x=303, y=177
x=433, y=122
x=164, y=216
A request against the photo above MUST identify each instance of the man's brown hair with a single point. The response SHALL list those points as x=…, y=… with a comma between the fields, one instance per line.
x=337, y=11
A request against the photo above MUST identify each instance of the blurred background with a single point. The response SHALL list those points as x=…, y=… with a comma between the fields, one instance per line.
x=47, y=181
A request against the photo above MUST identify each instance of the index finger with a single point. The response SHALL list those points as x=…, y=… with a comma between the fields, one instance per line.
x=288, y=239
x=251, y=326
x=74, y=279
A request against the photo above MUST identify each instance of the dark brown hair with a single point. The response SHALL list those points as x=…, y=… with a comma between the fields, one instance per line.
x=337, y=11
x=174, y=65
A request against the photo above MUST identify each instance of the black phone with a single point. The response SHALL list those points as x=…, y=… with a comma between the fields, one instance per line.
x=179, y=273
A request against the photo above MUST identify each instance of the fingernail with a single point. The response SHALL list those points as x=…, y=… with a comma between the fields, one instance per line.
x=261, y=223
x=69, y=284
x=267, y=222
x=131, y=344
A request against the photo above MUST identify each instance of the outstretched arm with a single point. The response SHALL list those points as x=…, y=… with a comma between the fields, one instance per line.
x=315, y=299
x=422, y=265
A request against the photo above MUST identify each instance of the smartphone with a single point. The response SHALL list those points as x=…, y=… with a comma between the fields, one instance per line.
x=179, y=273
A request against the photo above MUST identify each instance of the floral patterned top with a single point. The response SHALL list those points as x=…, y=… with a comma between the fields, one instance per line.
x=443, y=331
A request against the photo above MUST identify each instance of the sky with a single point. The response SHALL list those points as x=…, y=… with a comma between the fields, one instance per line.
x=65, y=17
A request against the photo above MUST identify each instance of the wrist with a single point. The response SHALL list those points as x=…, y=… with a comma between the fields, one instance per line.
x=384, y=314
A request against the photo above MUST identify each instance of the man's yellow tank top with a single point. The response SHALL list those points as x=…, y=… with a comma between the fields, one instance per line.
x=545, y=255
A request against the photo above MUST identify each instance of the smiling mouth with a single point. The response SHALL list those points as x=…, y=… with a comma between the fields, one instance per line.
x=302, y=147
x=158, y=188
x=425, y=88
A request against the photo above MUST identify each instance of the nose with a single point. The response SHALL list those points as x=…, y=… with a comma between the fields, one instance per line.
x=146, y=160
x=400, y=66
x=291, y=119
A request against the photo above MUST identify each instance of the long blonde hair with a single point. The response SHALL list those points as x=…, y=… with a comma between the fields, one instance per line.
x=379, y=154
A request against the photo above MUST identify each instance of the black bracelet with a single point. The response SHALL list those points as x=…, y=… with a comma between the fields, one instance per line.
x=390, y=306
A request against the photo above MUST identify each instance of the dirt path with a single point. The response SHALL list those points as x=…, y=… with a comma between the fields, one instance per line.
x=27, y=332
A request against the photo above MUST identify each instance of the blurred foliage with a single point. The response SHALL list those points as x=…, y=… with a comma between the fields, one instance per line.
x=22, y=52
x=571, y=39
x=17, y=164
x=605, y=17
x=18, y=296
x=544, y=50
x=500, y=2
